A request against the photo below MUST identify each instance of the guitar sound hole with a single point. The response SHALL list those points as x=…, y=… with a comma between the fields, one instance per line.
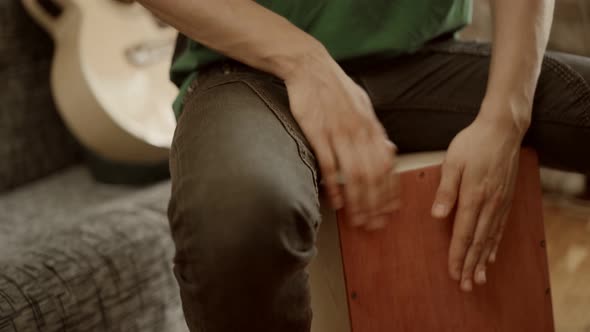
x=51, y=7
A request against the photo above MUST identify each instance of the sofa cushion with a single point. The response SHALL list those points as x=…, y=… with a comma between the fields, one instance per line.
x=76, y=255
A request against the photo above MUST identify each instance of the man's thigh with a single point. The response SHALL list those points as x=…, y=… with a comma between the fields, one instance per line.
x=426, y=98
x=236, y=141
x=244, y=210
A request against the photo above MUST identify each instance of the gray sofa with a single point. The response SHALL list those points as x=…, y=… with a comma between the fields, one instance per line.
x=80, y=256
x=75, y=255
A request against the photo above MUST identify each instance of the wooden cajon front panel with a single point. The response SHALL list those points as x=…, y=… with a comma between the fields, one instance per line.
x=397, y=278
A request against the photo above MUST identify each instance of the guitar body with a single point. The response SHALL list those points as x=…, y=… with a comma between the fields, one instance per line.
x=118, y=108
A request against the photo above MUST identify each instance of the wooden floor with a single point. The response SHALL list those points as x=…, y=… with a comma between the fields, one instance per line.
x=567, y=227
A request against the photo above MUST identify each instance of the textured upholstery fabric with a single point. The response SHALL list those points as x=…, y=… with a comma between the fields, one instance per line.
x=33, y=139
x=76, y=255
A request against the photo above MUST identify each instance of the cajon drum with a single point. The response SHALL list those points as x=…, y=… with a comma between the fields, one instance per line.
x=397, y=279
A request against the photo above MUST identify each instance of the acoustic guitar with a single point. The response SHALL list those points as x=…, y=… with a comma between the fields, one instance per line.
x=110, y=76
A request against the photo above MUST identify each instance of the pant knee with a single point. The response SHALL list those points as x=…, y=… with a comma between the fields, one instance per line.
x=248, y=223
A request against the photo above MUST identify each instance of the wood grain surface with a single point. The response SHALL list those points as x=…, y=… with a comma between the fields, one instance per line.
x=397, y=279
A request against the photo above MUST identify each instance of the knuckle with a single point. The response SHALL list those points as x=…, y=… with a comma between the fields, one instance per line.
x=357, y=176
x=498, y=238
x=333, y=192
x=468, y=205
x=497, y=200
x=364, y=96
x=346, y=131
x=455, y=265
x=327, y=165
x=466, y=241
x=478, y=195
x=472, y=202
x=379, y=130
x=477, y=247
x=501, y=229
x=450, y=165
x=367, y=122
x=445, y=194
x=495, y=242
x=385, y=169
x=490, y=240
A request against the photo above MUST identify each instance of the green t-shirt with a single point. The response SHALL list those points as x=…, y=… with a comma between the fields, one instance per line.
x=349, y=29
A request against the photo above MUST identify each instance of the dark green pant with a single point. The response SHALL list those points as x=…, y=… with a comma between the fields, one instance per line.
x=244, y=211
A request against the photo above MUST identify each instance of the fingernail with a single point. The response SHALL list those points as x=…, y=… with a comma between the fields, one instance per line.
x=466, y=285
x=481, y=277
x=439, y=210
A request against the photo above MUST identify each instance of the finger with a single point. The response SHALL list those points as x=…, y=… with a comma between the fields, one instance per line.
x=447, y=192
x=480, y=274
x=383, y=167
x=385, y=214
x=392, y=147
x=334, y=196
x=470, y=202
x=396, y=190
x=394, y=200
x=484, y=260
x=490, y=241
x=352, y=163
x=506, y=213
x=380, y=163
x=490, y=208
x=375, y=161
x=378, y=221
x=329, y=173
x=499, y=234
x=389, y=209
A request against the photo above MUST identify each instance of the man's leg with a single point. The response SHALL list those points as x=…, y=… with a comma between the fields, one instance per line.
x=426, y=98
x=244, y=209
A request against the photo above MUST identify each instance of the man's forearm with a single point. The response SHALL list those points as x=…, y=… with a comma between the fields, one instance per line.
x=242, y=30
x=521, y=32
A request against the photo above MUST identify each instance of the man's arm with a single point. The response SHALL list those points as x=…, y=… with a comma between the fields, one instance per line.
x=520, y=36
x=334, y=113
x=480, y=168
x=242, y=30
x=521, y=32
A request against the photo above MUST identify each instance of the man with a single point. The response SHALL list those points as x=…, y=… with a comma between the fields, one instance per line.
x=281, y=100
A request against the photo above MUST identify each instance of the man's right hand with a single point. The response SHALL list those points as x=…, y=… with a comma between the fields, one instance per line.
x=335, y=114
x=355, y=156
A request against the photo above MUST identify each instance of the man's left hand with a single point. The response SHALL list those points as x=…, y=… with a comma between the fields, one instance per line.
x=478, y=177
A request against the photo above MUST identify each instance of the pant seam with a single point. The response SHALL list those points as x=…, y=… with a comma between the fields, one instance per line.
x=304, y=154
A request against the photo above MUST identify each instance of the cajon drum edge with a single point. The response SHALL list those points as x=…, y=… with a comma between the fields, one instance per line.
x=365, y=302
